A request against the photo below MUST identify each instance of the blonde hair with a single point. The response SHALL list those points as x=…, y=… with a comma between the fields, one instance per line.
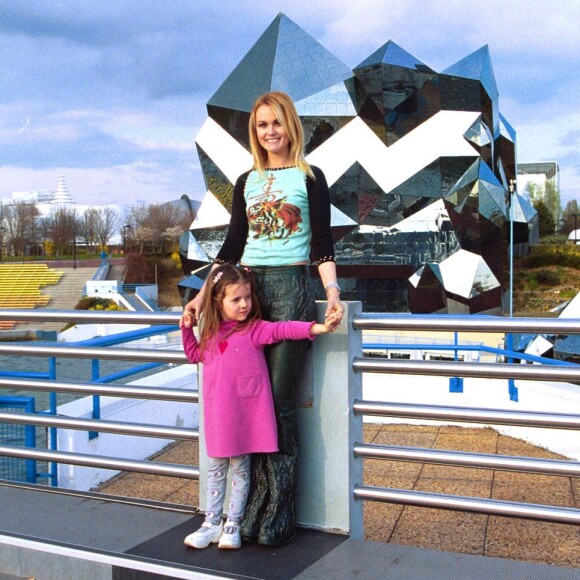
x=211, y=311
x=283, y=107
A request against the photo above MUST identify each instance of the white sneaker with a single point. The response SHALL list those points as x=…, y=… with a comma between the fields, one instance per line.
x=230, y=539
x=208, y=534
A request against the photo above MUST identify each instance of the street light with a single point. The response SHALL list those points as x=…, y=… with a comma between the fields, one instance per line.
x=74, y=250
x=125, y=228
x=1, y=240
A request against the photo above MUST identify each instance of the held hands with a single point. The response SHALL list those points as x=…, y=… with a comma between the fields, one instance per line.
x=187, y=320
x=331, y=322
x=191, y=312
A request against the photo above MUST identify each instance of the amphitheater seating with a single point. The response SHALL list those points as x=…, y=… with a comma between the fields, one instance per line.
x=20, y=287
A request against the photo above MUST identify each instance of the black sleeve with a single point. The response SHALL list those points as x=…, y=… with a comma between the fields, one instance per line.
x=319, y=201
x=233, y=246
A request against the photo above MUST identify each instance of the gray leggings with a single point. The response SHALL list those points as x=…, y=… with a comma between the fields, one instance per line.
x=216, y=487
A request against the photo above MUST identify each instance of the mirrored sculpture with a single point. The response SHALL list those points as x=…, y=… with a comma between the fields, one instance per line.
x=418, y=162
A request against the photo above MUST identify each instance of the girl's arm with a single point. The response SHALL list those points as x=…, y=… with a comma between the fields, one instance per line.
x=190, y=344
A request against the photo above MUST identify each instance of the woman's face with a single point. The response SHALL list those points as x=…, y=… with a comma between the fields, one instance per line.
x=271, y=135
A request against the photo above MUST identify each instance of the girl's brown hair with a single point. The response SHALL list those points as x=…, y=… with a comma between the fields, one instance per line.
x=211, y=312
x=283, y=107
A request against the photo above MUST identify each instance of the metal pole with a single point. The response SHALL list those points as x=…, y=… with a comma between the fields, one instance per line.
x=74, y=250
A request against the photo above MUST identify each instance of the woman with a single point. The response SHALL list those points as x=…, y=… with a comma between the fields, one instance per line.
x=280, y=220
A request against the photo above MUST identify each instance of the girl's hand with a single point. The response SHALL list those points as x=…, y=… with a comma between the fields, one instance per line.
x=191, y=312
x=187, y=320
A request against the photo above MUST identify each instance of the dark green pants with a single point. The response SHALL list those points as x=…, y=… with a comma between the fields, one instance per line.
x=285, y=293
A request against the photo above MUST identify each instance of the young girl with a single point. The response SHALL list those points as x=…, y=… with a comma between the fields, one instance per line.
x=238, y=409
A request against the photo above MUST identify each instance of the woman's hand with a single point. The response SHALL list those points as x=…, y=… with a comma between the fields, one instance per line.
x=191, y=312
x=334, y=308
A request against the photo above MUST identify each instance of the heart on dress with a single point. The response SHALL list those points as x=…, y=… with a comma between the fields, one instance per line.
x=223, y=345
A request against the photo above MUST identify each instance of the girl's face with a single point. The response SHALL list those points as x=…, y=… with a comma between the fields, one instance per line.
x=271, y=135
x=237, y=302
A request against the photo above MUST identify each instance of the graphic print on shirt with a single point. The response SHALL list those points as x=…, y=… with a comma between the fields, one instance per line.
x=271, y=217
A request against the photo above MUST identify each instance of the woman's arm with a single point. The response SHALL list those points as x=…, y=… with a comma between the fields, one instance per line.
x=322, y=245
x=334, y=307
x=233, y=246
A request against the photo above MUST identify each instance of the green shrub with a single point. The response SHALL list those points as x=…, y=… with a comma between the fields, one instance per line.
x=548, y=277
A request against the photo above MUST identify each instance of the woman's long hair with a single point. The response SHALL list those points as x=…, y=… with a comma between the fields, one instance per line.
x=283, y=107
x=211, y=312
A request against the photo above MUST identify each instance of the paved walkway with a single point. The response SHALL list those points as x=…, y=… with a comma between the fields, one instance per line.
x=445, y=530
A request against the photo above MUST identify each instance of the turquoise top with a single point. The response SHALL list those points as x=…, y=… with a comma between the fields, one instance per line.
x=278, y=214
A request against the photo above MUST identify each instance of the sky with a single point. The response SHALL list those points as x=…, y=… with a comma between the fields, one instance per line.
x=111, y=94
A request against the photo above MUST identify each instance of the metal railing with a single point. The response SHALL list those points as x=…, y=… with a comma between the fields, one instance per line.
x=360, y=364
x=568, y=373
x=111, y=390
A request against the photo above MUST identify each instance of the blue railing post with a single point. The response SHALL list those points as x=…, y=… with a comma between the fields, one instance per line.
x=455, y=383
x=52, y=430
x=95, y=375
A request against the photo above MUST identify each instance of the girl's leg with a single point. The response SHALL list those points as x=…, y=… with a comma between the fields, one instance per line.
x=240, y=488
x=211, y=530
x=217, y=472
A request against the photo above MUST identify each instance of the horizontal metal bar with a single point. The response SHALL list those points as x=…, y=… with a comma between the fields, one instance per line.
x=467, y=415
x=101, y=316
x=141, y=354
x=85, y=460
x=462, y=459
x=465, y=369
x=469, y=504
x=466, y=323
x=142, y=429
x=125, y=391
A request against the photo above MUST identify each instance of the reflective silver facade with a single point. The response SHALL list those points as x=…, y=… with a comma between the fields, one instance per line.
x=419, y=164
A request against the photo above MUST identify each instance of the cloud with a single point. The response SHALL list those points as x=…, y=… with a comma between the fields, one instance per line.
x=122, y=86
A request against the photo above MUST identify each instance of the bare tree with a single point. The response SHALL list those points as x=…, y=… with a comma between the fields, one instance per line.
x=157, y=224
x=88, y=225
x=61, y=226
x=107, y=224
x=21, y=228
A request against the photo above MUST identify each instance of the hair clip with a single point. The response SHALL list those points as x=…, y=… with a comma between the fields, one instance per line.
x=248, y=270
x=217, y=277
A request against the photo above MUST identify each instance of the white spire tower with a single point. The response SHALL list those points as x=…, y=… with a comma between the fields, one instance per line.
x=62, y=196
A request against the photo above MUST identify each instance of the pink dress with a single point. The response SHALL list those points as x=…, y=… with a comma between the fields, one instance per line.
x=238, y=409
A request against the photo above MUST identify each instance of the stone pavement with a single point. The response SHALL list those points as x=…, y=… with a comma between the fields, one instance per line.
x=445, y=530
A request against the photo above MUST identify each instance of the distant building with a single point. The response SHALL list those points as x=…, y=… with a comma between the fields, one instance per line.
x=47, y=200
x=538, y=174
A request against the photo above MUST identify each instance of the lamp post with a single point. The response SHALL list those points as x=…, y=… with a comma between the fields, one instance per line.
x=74, y=250
x=511, y=254
x=1, y=241
x=512, y=389
x=125, y=228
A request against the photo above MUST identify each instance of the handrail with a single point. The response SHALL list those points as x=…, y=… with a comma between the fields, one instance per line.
x=141, y=354
x=144, y=429
x=462, y=459
x=467, y=414
x=170, y=469
x=100, y=316
x=469, y=504
x=128, y=391
x=465, y=323
x=466, y=369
